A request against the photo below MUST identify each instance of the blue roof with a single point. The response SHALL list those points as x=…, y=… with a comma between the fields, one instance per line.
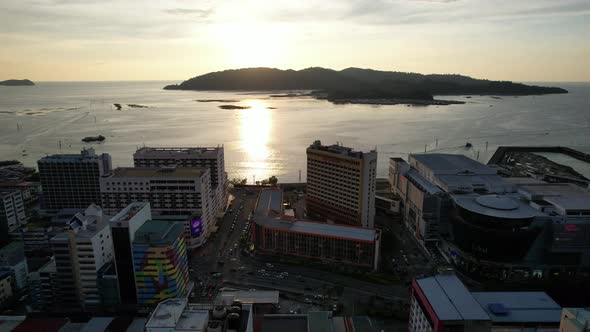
x=519, y=307
x=450, y=300
x=270, y=199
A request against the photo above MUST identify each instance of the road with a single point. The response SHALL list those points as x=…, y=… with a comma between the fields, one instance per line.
x=244, y=271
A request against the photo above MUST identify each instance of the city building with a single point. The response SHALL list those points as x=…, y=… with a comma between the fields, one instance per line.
x=5, y=287
x=197, y=157
x=36, y=236
x=12, y=213
x=442, y=303
x=43, y=286
x=466, y=212
x=29, y=190
x=123, y=228
x=274, y=232
x=341, y=184
x=80, y=252
x=108, y=287
x=170, y=191
x=72, y=180
x=160, y=262
x=575, y=320
x=520, y=311
x=12, y=259
x=176, y=315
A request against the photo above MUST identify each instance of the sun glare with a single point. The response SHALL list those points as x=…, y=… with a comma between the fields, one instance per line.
x=255, y=126
x=250, y=44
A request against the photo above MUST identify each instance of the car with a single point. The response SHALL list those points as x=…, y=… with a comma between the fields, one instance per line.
x=307, y=300
x=269, y=265
x=241, y=268
x=261, y=271
x=280, y=276
x=286, y=274
x=252, y=289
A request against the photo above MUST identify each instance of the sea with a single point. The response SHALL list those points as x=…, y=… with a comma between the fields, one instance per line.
x=270, y=134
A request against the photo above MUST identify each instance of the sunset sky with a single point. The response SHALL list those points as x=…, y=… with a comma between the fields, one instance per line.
x=520, y=40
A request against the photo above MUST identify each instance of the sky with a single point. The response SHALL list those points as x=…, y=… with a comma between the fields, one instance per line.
x=94, y=40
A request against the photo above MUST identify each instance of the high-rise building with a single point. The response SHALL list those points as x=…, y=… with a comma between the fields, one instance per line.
x=80, y=252
x=160, y=262
x=123, y=228
x=12, y=258
x=72, y=180
x=341, y=184
x=198, y=157
x=575, y=320
x=170, y=191
x=43, y=285
x=12, y=213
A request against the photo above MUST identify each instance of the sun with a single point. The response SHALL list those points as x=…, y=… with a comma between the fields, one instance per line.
x=251, y=44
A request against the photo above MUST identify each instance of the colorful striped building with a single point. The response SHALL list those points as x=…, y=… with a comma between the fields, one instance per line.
x=160, y=262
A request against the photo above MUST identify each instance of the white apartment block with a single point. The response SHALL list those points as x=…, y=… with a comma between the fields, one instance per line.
x=79, y=253
x=12, y=210
x=341, y=184
x=172, y=191
x=199, y=157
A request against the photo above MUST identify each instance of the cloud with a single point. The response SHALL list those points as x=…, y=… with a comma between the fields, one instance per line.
x=201, y=13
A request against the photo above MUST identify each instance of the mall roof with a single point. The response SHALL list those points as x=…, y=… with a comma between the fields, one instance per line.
x=519, y=307
x=449, y=298
x=498, y=206
x=441, y=163
x=159, y=172
x=539, y=191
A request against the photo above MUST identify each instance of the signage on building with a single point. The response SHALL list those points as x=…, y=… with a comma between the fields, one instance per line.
x=196, y=227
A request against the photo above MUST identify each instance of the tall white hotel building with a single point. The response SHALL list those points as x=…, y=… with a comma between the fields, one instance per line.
x=341, y=184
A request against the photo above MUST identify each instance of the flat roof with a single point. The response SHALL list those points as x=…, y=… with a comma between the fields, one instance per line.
x=159, y=172
x=418, y=179
x=507, y=206
x=578, y=316
x=571, y=202
x=450, y=299
x=193, y=320
x=319, y=321
x=166, y=313
x=269, y=200
x=129, y=211
x=138, y=325
x=519, y=307
x=308, y=227
x=443, y=163
x=158, y=152
x=263, y=297
x=158, y=231
x=338, y=150
x=553, y=189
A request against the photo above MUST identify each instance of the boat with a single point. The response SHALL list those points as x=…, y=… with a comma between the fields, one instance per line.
x=98, y=138
x=468, y=145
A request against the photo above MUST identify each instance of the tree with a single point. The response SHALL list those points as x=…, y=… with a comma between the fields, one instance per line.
x=238, y=181
x=273, y=180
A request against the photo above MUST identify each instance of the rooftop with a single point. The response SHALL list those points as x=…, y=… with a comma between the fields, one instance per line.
x=269, y=200
x=441, y=163
x=450, y=299
x=536, y=191
x=507, y=206
x=337, y=149
x=519, y=307
x=158, y=232
x=85, y=155
x=319, y=321
x=195, y=152
x=580, y=317
x=159, y=172
x=130, y=211
x=571, y=202
x=167, y=313
x=308, y=227
x=257, y=297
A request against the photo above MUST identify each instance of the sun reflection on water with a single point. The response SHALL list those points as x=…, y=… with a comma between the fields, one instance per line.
x=255, y=126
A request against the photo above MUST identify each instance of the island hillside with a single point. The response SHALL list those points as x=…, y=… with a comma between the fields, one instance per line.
x=356, y=83
x=17, y=83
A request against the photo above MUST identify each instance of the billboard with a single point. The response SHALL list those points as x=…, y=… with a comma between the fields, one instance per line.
x=196, y=227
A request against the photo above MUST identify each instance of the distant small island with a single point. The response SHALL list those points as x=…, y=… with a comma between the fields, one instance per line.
x=356, y=85
x=233, y=107
x=17, y=83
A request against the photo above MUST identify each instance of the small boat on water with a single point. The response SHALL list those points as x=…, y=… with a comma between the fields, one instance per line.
x=468, y=145
x=89, y=139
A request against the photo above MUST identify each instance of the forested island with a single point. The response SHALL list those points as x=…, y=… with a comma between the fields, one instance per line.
x=355, y=84
x=17, y=83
